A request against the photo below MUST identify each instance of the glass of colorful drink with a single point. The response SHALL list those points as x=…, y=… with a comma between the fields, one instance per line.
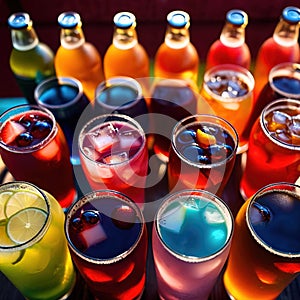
x=202, y=154
x=284, y=82
x=34, y=149
x=107, y=238
x=114, y=155
x=265, y=252
x=274, y=147
x=34, y=253
x=191, y=239
x=228, y=90
x=64, y=97
x=171, y=100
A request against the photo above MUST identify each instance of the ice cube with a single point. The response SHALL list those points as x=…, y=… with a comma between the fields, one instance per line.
x=130, y=141
x=93, y=235
x=91, y=153
x=213, y=215
x=102, y=142
x=280, y=117
x=116, y=158
x=191, y=203
x=173, y=219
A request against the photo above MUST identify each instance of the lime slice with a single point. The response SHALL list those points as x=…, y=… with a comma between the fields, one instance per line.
x=25, y=224
x=3, y=199
x=24, y=199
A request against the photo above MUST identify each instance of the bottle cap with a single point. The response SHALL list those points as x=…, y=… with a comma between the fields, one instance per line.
x=178, y=18
x=124, y=19
x=237, y=17
x=19, y=20
x=291, y=14
x=69, y=19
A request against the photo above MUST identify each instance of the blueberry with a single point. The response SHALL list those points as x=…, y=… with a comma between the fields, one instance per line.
x=219, y=152
x=90, y=217
x=204, y=159
x=26, y=121
x=192, y=153
x=124, y=217
x=41, y=129
x=77, y=224
x=24, y=139
x=186, y=137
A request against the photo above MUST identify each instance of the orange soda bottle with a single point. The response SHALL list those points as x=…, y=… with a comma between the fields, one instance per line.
x=126, y=56
x=281, y=47
x=77, y=58
x=176, y=57
x=231, y=47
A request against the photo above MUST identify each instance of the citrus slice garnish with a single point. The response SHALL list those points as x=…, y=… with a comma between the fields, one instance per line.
x=23, y=199
x=25, y=224
x=3, y=199
x=205, y=139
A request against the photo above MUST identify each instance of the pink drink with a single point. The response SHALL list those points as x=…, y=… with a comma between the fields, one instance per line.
x=107, y=237
x=114, y=155
x=34, y=149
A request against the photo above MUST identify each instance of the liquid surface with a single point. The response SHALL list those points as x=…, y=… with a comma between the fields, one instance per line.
x=193, y=227
x=112, y=142
x=287, y=84
x=280, y=230
x=104, y=228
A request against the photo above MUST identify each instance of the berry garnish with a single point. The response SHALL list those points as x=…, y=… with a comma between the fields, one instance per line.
x=11, y=131
x=192, y=153
x=24, y=139
x=187, y=136
x=41, y=129
x=77, y=224
x=124, y=217
x=90, y=217
x=204, y=139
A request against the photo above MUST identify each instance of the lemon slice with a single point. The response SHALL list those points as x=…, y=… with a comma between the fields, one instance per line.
x=3, y=199
x=25, y=224
x=23, y=199
x=205, y=139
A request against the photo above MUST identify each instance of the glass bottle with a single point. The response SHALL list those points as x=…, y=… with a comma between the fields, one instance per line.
x=126, y=56
x=231, y=47
x=76, y=57
x=281, y=47
x=30, y=60
x=176, y=57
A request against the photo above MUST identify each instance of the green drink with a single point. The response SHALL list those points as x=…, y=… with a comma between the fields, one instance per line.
x=33, y=249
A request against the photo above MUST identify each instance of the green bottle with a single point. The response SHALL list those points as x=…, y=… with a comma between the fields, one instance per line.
x=30, y=61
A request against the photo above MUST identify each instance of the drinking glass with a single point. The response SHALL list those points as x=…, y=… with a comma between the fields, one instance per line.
x=34, y=148
x=171, y=101
x=34, y=254
x=64, y=97
x=265, y=252
x=191, y=239
x=284, y=82
x=228, y=90
x=107, y=237
x=202, y=153
x=274, y=147
x=114, y=155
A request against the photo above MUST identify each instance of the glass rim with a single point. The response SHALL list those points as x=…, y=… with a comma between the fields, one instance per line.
x=271, y=107
x=24, y=185
x=21, y=109
x=208, y=196
x=256, y=237
x=59, y=80
x=179, y=127
x=247, y=77
x=116, y=81
x=286, y=68
x=96, y=194
x=122, y=117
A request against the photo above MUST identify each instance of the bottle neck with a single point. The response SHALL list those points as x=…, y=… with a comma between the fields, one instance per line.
x=177, y=38
x=24, y=39
x=233, y=35
x=125, y=38
x=71, y=38
x=286, y=34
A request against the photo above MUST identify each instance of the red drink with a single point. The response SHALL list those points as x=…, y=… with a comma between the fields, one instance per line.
x=108, y=241
x=34, y=149
x=274, y=147
x=202, y=154
x=114, y=155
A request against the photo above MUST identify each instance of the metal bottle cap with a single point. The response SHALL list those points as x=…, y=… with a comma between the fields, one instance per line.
x=291, y=14
x=237, y=17
x=19, y=20
x=69, y=20
x=178, y=18
x=124, y=19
